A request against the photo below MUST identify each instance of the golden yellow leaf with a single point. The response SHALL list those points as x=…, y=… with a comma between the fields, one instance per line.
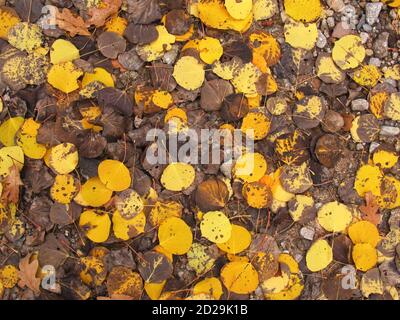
x=8, y=130
x=239, y=241
x=239, y=277
x=114, y=175
x=94, y=193
x=365, y=256
x=175, y=236
x=319, y=256
x=64, y=77
x=348, y=52
x=178, y=176
x=63, y=51
x=96, y=224
x=364, y=232
x=334, y=216
x=303, y=10
x=216, y=227
x=189, y=73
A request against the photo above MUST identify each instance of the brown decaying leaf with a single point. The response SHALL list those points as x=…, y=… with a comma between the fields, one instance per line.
x=11, y=186
x=99, y=16
x=371, y=210
x=27, y=274
x=74, y=25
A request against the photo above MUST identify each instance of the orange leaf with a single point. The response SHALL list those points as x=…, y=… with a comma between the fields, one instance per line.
x=27, y=274
x=99, y=16
x=11, y=186
x=72, y=24
x=370, y=211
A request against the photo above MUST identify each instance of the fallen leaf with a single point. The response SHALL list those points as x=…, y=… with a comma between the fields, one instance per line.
x=74, y=25
x=11, y=186
x=370, y=211
x=27, y=274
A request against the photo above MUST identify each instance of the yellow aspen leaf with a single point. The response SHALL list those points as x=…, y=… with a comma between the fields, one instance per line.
x=239, y=277
x=189, y=73
x=63, y=158
x=385, y=159
x=392, y=107
x=256, y=125
x=64, y=77
x=264, y=9
x=25, y=36
x=126, y=229
x=334, y=216
x=129, y=203
x=99, y=75
x=368, y=179
x=96, y=224
x=364, y=128
x=9, y=276
x=94, y=193
x=319, y=256
x=392, y=3
x=348, y=52
x=392, y=72
x=175, y=112
x=377, y=102
x=26, y=139
x=327, y=70
x=250, y=167
x=199, y=259
x=239, y=9
x=63, y=51
x=116, y=24
x=371, y=283
x=209, y=286
x=123, y=281
x=114, y=175
x=156, y=49
x=154, y=290
x=216, y=227
x=278, y=192
x=364, y=256
x=239, y=241
x=210, y=50
x=364, y=232
x=227, y=70
x=245, y=79
x=8, y=19
x=303, y=10
x=64, y=189
x=275, y=284
x=367, y=76
x=175, y=236
x=93, y=271
x=178, y=176
x=289, y=261
x=10, y=156
x=257, y=194
x=214, y=14
x=163, y=210
x=8, y=130
x=292, y=292
x=300, y=35
x=300, y=205
x=162, y=99
x=266, y=46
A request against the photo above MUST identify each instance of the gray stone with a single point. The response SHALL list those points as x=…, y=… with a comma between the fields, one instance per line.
x=364, y=37
x=373, y=146
x=349, y=11
x=366, y=27
x=389, y=131
x=331, y=22
x=307, y=233
x=375, y=62
x=341, y=29
x=359, y=105
x=372, y=10
x=171, y=55
x=381, y=45
x=321, y=41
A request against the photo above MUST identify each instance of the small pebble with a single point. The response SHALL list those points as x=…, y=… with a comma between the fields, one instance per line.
x=321, y=41
x=307, y=233
x=389, y=131
x=372, y=10
x=359, y=105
